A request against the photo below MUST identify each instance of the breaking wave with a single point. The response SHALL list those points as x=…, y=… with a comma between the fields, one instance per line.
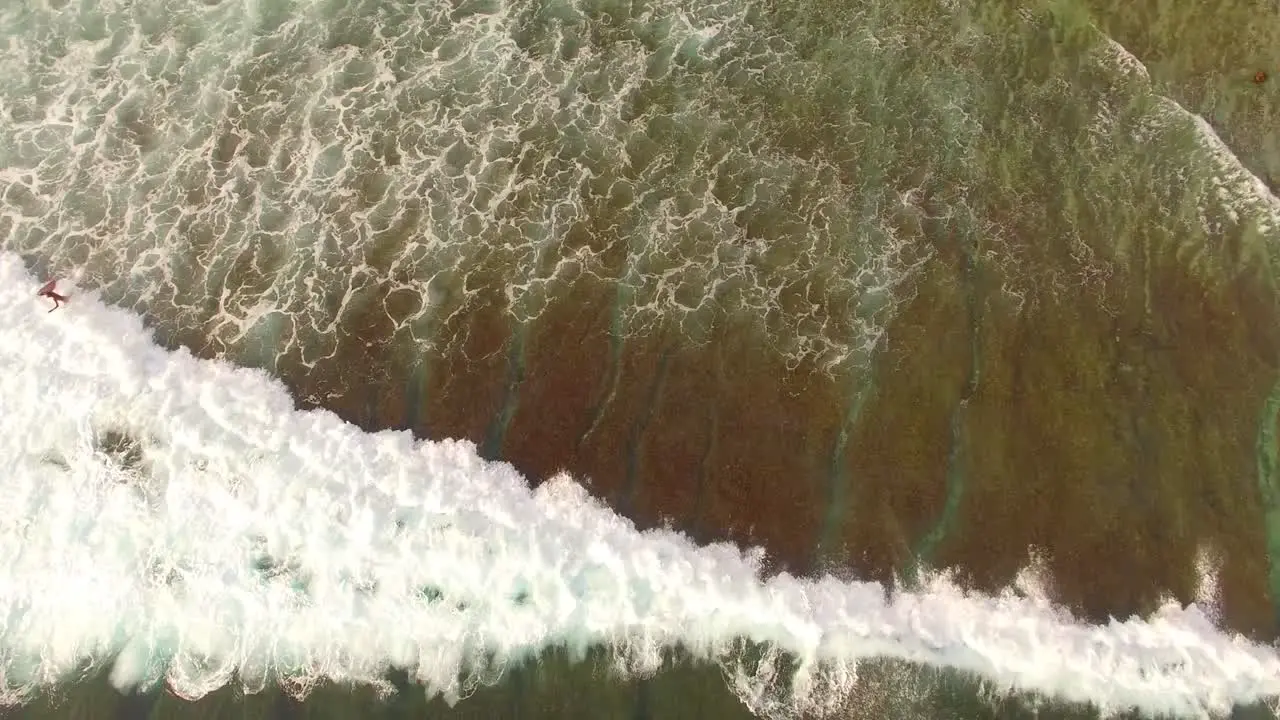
x=178, y=518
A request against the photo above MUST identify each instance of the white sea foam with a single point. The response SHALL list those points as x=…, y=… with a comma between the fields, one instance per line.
x=1241, y=193
x=386, y=550
x=346, y=150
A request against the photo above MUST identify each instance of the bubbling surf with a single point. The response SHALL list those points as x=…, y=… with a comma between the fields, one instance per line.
x=180, y=520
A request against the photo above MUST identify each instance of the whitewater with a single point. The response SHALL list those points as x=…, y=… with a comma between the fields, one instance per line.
x=178, y=519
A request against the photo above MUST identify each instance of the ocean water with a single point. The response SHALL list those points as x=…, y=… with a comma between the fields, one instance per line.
x=178, y=520
x=415, y=358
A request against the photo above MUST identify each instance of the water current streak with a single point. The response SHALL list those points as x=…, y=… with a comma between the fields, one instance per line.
x=415, y=406
x=636, y=435
x=1269, y=487
x=497, y=432
x=927, y=547
x=826, y=550
x=705, y=469
x=610, y=391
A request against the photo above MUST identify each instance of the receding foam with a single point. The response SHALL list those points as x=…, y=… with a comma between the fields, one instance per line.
x=180, y=516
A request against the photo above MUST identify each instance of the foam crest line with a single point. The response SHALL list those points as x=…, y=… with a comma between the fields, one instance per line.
x=180, y=516
x=1236, y=185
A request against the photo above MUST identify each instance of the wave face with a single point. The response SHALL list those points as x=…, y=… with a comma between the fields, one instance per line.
x=180, y=516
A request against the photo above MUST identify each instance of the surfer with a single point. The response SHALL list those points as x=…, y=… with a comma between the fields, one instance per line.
x=47, y=291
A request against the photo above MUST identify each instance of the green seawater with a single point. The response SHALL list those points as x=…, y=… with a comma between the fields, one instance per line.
x=317, y=188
